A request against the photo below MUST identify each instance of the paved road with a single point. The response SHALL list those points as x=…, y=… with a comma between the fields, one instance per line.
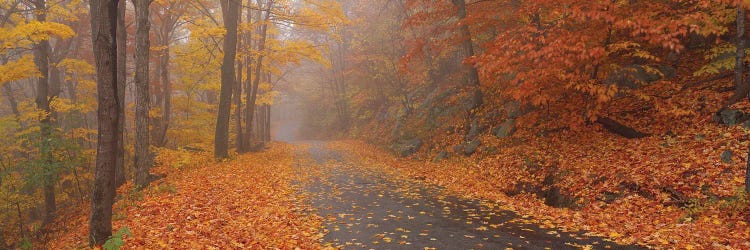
x=368, y=209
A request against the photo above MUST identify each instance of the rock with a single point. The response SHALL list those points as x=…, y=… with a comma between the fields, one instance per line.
x=472, y=100
x=635, y=76
x=505, y=129
x=471, y=147
x=442, y=155
x=667, y=71
x=473, y=130
x=726, y=156
x=609, y=197
x=746, y=124
x=731, y=116
x=553, y=195
x=458, y=148
x=489, y=150
x=700, y=137
x=513, y=108
x=409, y=147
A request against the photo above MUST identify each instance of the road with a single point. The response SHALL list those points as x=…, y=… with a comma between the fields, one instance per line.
x=369, y=209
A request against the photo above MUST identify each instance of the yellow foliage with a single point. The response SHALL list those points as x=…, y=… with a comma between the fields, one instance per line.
x=17, y=70
x=26, y=34
x=76, y=66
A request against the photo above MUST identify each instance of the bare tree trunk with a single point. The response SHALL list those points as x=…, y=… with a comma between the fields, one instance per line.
x=740, y=55
x=41, y=59
x=259, y=63
x=164, y=93
x=249, y=89
x=143, y=156
x=739, y=80
x=121, y=78
x=158, y=102
x=103, y=33
x=268, y=124
x=267, y=120
x=747, y=174
x=230, y=12
x=340, y=84
x=238, y=100
x=161, y=138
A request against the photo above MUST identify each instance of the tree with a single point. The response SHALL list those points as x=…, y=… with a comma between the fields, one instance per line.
x=230, y=13
x=121, y=80
x=143, y=156
x=167, y=20
x=103, y=33
x=467, y=51
x=41, y=59
x=261, y=47
x=249, y=90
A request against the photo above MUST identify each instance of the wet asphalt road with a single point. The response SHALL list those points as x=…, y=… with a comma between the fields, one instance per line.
x=368, y=209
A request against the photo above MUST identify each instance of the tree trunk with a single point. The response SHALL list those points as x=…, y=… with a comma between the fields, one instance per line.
x=747, y=173
x=158, y=102
x=161, y=138
x=143, y=156
x=467, y=50
x=739, y=80
x=267, y=129
x=121, y=78
x=41, y=60
x=251, y=106
x=103, y=32
x=12, y=101
x=249, y=89
x=238, y=101
x=740, y=55
x=164, y=93
x=230, y=13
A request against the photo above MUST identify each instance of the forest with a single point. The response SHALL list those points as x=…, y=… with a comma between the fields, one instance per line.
x=374, y=124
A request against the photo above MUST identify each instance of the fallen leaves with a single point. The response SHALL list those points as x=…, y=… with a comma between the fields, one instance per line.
x=642, y=210
x=246, y=203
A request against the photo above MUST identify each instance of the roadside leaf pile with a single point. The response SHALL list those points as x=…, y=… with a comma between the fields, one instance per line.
x=630, y=191
x=245, y=203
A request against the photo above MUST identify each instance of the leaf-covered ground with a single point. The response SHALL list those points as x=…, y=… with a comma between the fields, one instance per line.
x=369, y=206
x=247, y=203
x=628, y=192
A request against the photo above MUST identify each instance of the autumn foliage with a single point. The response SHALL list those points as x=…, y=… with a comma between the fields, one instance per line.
x=245, y=203
x=625, y=118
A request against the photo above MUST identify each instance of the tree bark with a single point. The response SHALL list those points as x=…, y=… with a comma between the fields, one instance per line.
x=268, y=124
x=41, y=60
x=143, y=156
x=161, y=138
x=259, y=64
x=741, y=88
x=164, y=95
x=249, y=89
x=747, y=173
x=103, y=32
x=739, y=81
x=238, y=100
x=740, y=55
x=230, y=13
x=121, y=78
x=467, y=50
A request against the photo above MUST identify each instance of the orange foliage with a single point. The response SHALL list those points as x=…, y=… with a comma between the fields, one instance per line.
x=636, y=172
